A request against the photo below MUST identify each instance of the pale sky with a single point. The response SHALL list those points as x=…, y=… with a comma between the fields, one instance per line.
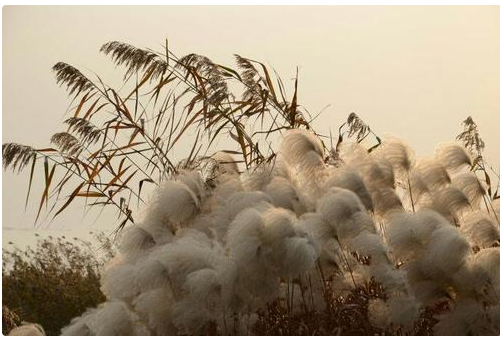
x=414, y=72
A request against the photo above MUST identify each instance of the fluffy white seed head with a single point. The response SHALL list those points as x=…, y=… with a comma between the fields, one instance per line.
x=450, y=202
x=351, y=180
x=283, y=194
x=157, y=225
x=433, y=173
x=487, y=262
x=409, y=233
x=368, y=244
x=302, y=147
x=354, y=225
x=154, y=306
x=226, y=163
x=194, y=181
x=338, y=204
x=259, y=177
x=151, y=273
x=445, y=253
x=300, y=257
x=471, y=186
x=244, y=237
x=135, y=241
x=115, y=318
x=376, y=172
x=386, y=201
x=177, y=202
x=120, y=282
x=243, y=200
x=397, y=154
x=27, y=329
x=83, y=325
x=480, y=229
x=453, y=156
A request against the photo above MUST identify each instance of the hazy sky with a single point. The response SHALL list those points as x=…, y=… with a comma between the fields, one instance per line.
x=415, y=72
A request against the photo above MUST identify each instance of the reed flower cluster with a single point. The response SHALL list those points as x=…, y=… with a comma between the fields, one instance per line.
x=297, y=237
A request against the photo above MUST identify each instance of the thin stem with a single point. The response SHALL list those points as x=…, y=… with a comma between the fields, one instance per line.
x=409, y=188
x=311, y=291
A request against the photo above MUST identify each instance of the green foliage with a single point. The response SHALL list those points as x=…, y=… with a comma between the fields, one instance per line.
x=51, y=284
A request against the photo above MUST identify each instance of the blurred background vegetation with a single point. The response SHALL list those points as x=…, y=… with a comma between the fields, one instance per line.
x=53, y=282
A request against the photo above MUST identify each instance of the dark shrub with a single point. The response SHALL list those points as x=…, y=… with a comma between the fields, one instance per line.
x=49, y=285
